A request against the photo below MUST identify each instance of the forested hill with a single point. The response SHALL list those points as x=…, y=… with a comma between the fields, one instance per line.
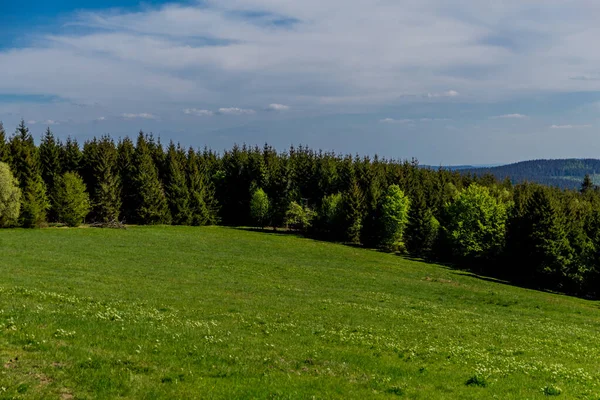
x=565, y=174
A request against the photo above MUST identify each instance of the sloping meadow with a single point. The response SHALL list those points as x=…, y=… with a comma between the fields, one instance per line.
x=182, y=312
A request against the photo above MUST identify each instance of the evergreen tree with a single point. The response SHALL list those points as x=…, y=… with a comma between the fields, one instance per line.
x=50, y=153
x=422, y=227
x=152, y=207
x=72, y=200
x=10, y=197
x=25, y=164
x=106, y=202
x=587, y=185
x=4, y=149
x=540, y=249
x=176, y=188
x=70, y=158
x=126, y=173
x=352, y=212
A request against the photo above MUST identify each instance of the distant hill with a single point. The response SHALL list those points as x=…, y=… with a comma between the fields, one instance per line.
x=565, y=174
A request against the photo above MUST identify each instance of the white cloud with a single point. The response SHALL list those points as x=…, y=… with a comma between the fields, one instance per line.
x=236, y=111
x=434, y=119
x=198, y=112
x=50, y=122
x=140, y=115
x=570, y=126
x=278, y=107
x=31, y=122
x=449, y=93
x=511, y=116
x=395, y=121
x=100, y=119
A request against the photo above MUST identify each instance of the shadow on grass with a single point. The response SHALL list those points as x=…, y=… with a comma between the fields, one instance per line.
x=456, y=269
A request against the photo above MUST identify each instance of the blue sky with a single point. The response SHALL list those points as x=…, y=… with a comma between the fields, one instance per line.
x=466, y=82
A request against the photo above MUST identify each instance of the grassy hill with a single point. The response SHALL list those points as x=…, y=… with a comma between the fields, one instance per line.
x=181, y=312
x=565, y=174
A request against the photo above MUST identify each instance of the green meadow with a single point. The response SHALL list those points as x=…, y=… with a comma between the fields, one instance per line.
x=185, y=313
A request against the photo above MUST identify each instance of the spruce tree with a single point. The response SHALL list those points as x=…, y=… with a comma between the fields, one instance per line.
x=587, y=185
x=176, y=189
x=72, y=200
x=107, y=200
x=70, y=158
x=4, y=150
x=203, y=203
x=50, y=152
x=25, y=164
x=126, y=173
x=422, y=227
x=151, y=203
x=353, y=212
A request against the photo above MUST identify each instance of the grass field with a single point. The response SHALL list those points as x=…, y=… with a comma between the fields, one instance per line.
x=176, y=313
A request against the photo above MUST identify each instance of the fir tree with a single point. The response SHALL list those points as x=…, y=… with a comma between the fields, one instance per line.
x=4, y=150
x=422, y=227
x=176, y=187
x=72, y=200
x=151, y=204
x=126, y=173
x=25, y=164
x=70, y=158
x=353, y=211
x=587, y=185
x=50, y=152
x=107, y=200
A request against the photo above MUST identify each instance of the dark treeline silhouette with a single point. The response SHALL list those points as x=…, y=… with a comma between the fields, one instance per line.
x=565, y=174
x=530, y=234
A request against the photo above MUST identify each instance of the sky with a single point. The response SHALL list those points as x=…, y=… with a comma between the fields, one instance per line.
x=460, y=82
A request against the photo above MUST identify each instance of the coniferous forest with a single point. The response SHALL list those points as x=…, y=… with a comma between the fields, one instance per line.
x=530, y=234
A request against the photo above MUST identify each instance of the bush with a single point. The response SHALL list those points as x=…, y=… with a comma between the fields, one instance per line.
x=72, y=200
x=10, y=197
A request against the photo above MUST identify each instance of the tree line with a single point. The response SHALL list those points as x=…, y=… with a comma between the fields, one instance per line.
x=528, y=233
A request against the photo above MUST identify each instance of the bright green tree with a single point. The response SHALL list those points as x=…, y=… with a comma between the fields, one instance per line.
x=10, y=197
x=71, y=199
x=298, y=217
x=476, y=224
x=259, y=207
x=393, y=218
